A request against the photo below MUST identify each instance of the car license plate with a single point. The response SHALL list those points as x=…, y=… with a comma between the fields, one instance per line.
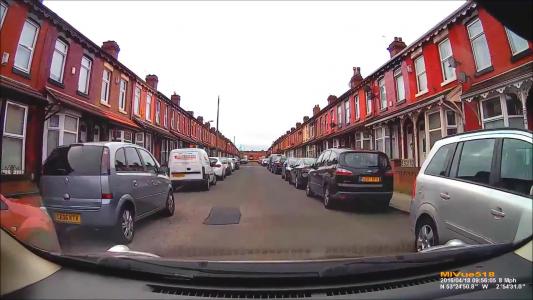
x=67, y=218
x=370, y=179
x=177, y=175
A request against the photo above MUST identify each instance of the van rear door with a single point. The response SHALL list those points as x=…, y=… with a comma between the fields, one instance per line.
x=184, y=162
x=71, y=177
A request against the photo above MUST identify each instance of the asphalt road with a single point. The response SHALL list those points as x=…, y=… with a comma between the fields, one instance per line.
x=278, y=222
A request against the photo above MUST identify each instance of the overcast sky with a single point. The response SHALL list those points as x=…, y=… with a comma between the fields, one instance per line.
x=270, y=62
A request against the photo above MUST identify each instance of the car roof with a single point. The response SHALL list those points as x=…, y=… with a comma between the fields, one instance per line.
x=342, y=150
x=113, y=145
x=487, y=133
x=188, y=149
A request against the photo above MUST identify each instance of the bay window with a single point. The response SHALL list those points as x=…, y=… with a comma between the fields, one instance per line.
x=60, y=129
x=148, y=142
x=58, y=61
x=139, y=139
x=480, y=48
x=26, y=46
x=14, y=139
x=434, y=127
x=502, y=111
x=382, y=140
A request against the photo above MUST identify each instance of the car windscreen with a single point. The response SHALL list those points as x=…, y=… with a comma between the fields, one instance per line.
x=308, y=161
x=364, y=160
x=74, y=160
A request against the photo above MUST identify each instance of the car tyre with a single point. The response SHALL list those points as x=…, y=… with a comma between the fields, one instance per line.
x=426, y=234
x=214, y=179
x=308, y=191
x=206, y=184
x=125, y=227
x=170, y=205
x=326, y=196
x=297, y=184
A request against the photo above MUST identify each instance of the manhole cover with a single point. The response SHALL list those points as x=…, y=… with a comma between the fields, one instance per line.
x=223, y=216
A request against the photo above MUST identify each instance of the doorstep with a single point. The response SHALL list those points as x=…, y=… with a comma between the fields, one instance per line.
x=401, y=201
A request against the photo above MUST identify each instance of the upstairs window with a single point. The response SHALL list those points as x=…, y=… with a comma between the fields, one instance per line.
x=480, y=48
x=106, y=84
x=368, y=102
x=172, y=120
x=137, y=100
x=445, y=52
x=339, y=116
x=165, y=117
x=148, y=107
x=517, y=43
x=26, y=46
x=58, y=61
x=382, y=94
x=122, y=95
x=157, y=111
x=420, y=70
x=357, y=113
x=347, y=112
x=3, y=12
x=400, y=87
x=85, y=75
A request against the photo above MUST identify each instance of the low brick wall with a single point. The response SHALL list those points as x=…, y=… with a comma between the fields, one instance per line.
x=404, y=177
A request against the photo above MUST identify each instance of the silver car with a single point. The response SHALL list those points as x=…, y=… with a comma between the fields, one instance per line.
x=475, y=187
x=106, y=184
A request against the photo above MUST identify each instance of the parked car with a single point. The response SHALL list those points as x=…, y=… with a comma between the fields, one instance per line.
x=351, y=175
x=476, y=187
x=28, y=223
x=227, y=163
x=106, y=184
x=276, y=164
x=231, y=164
x=191, y=166
x=271, y=158
x=237, y=162
x=287, y=166
x=298, y=174
x=264, y=162
x=219, y=168
x=244, y=160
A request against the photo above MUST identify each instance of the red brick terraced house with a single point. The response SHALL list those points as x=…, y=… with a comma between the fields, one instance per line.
x=57, y=87
x=468, y=72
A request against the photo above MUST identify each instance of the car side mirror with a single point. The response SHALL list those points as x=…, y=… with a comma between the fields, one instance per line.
x=163, y=170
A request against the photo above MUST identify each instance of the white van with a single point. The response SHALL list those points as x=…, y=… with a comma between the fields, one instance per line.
x=191, y=165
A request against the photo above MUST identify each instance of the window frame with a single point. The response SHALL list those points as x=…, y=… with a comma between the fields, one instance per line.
x=17, y=136
x=339, y=116
x=64, y=61
x=420, y=73
x=139, y=142
x=472, y=38
x=368, y=98
x=447, y=162
x=30, y=49
x=456, y=161
x=88, y=70
x=165, y=117
x=122, y=93
x=382, y=94
x=397, y=73
x=148, y=108
x=444, y=60
x=106, y=82
x=60, y=128
x=510, y=33
x=503, y=106
x=357, y=107
x=6, y=8
x=137, y=101
x=347, y=112
x=157, y=111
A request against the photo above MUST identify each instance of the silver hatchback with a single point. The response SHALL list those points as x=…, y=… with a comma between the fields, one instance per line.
x=106, y=184
x=476, y=187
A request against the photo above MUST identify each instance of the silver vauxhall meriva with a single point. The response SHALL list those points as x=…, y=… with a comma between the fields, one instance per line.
x=107, y=184
x=476, y=187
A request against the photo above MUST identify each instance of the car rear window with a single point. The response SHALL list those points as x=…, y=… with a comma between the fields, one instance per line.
x=364, y=160
x=74, y=160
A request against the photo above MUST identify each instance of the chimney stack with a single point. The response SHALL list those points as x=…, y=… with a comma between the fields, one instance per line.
x=191, y=112
x=175, y=98
x=356, y=78
x=331, y=98
x=298, y=124
x=316, y=110
x=152, y=81
x=111, y=48
x=200, y=119
x=396, y=46
x=306, y=118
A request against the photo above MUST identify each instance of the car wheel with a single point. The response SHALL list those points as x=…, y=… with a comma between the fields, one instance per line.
x=326, y=196
x=283, y=176
x=308, y=191
x=214, y=179
x=125, y=227
x=169, y=205
x=296, y=183
x=426, y=235
x=206, y=185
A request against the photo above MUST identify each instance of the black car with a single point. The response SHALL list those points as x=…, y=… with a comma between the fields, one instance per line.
x=345, y=174
x=298, y=174
x=276, y=163
x=287, y=166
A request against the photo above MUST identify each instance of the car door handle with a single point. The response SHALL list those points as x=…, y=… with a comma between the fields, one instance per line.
x=134, y=183
x=444, y=196
x=497, y=213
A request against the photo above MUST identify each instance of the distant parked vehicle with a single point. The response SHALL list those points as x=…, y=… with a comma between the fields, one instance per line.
x=227, y=163
x=264, y=162
x=298, y=174
x=277, y=164
x=106, y=184
x=344, y=175
x=219, y=168
x=244, y=160
x=232, y=164
x=237, y=163
x=191, y=166
x=476, y=187
x=287, y=166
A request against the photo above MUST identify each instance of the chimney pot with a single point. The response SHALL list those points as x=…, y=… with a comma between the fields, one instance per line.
x=111, y=48
x=396, y=46
x=356, y=78
x=175, y=98
x=316, y=110
x=152, y=81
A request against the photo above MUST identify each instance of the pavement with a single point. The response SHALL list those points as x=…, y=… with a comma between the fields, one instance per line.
x=277, y=222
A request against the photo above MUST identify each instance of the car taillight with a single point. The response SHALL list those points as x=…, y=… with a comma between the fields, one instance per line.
x=343, y=172
x=104, y=164
x=107, y=196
